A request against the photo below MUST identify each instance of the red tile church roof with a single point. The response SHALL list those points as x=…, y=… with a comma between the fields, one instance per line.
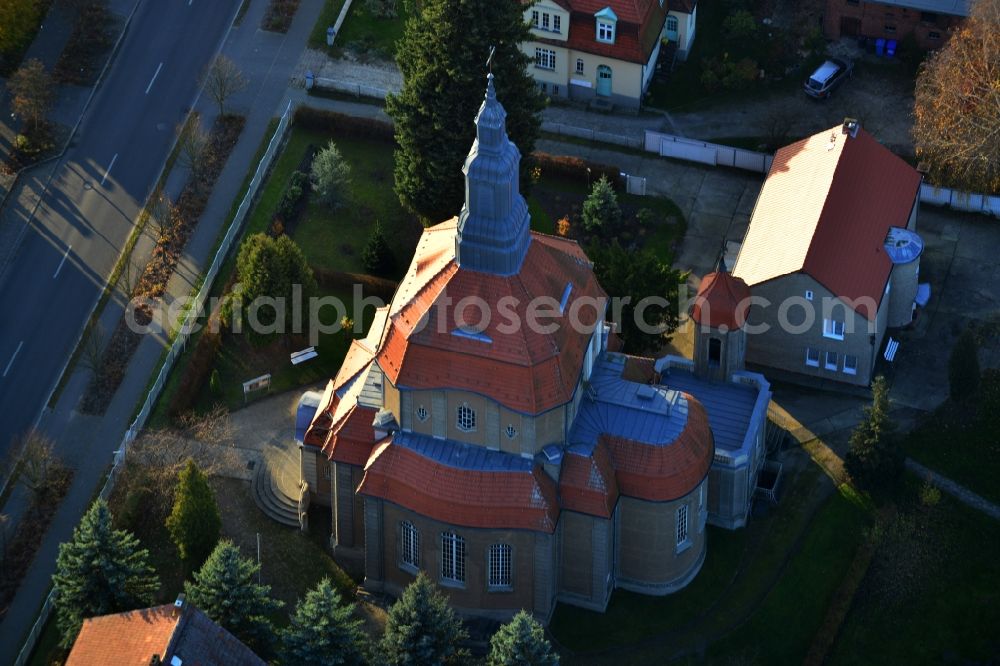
x=662, y=473
x=722, y=300
x=469, y=498
x=587, y=483
x=523, y=369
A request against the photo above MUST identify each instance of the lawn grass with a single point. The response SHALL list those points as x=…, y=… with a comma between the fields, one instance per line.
x=739, y=568
x=327, y=17
x=239, y=361
x=366, y=34
x=960, y=444
x=795, y=607
x=554, y=198
x=948, y=614
x=334, y=239
x=632, y=617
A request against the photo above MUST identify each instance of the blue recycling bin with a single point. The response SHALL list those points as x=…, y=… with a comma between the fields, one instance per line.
x=879, y=47
x=890, y=48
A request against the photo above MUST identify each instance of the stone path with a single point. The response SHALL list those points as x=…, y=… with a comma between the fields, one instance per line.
x=958, y=491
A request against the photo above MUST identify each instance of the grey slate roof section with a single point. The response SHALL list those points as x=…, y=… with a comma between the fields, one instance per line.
x=304, y=413
x=493, y=227
x=653, y=415
x=730, y=406
x=199, y=640
x=460, y=455
x=953, y=7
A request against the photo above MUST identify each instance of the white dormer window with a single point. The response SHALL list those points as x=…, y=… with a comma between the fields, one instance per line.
x=534, y=19
x=606, y=20
x=545, y=21
x=556, y=23
x=605, y=32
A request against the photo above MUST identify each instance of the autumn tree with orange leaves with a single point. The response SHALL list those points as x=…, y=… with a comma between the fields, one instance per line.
x=957, y=110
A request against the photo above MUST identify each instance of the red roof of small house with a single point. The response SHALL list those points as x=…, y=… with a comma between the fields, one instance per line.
x=825, y=210
x=522, y=367
x=636, y=32
x=135, y=637
x=466, y=497
x=683, y=6
x=663, y=473
x=722, y=301
x=587, y=483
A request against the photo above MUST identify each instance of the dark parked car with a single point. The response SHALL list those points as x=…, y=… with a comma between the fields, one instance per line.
x=828, y=76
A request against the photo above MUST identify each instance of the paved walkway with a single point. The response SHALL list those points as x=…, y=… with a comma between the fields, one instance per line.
x=959, y=492
x=88, y=442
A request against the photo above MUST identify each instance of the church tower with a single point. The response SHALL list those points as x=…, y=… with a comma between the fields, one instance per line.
x=719, y=315
x=493, y=227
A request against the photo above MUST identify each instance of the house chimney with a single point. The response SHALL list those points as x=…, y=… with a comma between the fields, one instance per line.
x=851, y=127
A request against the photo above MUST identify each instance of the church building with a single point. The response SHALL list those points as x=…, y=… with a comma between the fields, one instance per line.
x=521, y=462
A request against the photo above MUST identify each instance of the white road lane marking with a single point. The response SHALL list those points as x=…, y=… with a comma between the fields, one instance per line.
x=113, y=160
x=56, y=274
x=11, y=362
x=155, y=74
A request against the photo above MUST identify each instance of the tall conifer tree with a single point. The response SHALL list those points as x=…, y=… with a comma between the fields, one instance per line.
x=100, y=571
x=443, y=56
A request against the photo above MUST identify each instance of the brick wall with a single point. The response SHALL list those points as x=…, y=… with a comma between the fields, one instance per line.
x=850, y=18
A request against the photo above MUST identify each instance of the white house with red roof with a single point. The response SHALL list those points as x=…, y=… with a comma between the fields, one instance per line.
x=831, y=256
x=604, y=50
x=518, y=461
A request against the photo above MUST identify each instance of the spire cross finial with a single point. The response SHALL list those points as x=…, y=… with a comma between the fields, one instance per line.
x=489, y=61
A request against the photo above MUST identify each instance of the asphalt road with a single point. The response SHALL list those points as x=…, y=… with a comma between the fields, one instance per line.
x=83, y=221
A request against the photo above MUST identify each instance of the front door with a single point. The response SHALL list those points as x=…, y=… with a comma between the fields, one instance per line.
x=672, y=28
x=604, y=81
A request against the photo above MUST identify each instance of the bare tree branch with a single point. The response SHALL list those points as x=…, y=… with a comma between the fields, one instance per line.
x=223, y=79
x=957, y=111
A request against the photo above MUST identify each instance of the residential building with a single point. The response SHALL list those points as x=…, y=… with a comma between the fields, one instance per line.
x=174, y=634
x=928, y=21
x=604, y=50
x=831, y=256
x=517, y=464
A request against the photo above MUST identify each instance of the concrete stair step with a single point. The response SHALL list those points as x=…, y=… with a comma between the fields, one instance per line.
x=279, y=508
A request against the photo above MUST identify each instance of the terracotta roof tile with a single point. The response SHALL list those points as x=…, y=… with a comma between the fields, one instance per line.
x=722, y=300
x=127, y=639
x=470, y=498
x=662, y=473
x=825, y=209
x=683, y=6
x=587, y=483
x=523, y=369
x=133, y=638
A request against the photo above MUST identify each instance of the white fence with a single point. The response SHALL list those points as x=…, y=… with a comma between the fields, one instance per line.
x=967, y=201
x=350, y=88
x=176, y=349
x=592, y=135
x=713, y=154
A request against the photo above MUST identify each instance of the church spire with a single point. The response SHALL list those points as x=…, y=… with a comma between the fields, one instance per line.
x=493, y=227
